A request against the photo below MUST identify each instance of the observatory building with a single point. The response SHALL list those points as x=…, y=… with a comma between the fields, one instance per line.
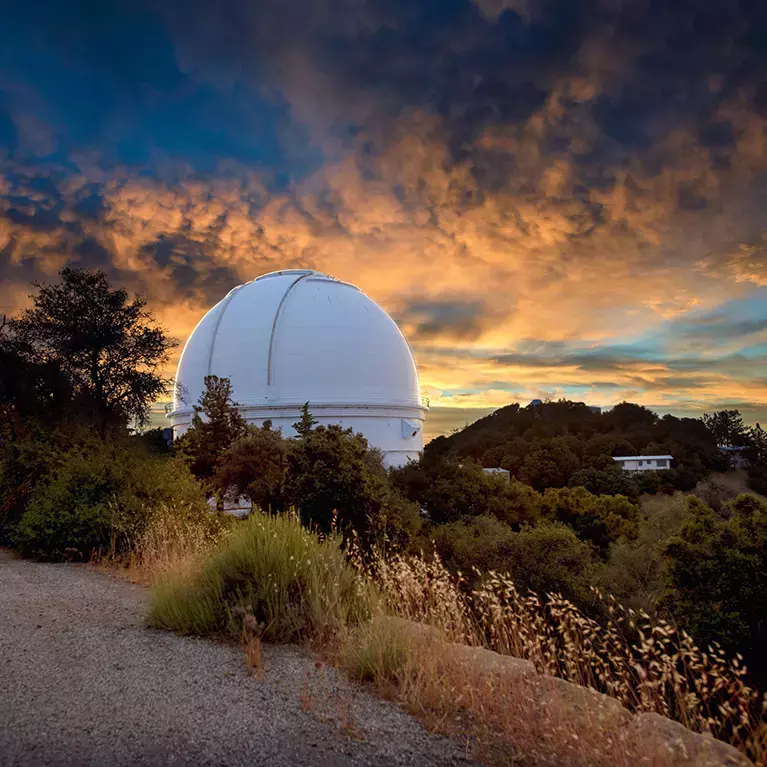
x=297, y=336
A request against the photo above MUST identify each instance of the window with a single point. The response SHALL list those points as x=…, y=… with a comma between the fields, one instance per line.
x=661, y=463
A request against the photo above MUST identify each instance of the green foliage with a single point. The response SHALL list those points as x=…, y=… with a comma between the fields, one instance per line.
x=716, y=576
x=557, y=444
x=255, y=467
x=550, y=463
x=333, y=471
x=599, y=519
x=448, y=492
x=545, y=559
x=99, y=496
x=295, y=585
x=216, y=425
x=611, y=480
x=634, y=568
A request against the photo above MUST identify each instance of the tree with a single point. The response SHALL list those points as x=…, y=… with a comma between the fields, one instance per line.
x=333, y=470
x=449, y=492
x=306, y=424
x=599, y=519
x=547, y=558
x=727, y=426
x=549, y=463
x=106, y=343
x=716, y=577
x=254, y=466
x=757, y=446
x=216, y=425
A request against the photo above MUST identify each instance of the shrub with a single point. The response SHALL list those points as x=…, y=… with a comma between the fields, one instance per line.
x=599, y=519
x=334, y=476
x=254, y=466
x=716, y=577
x=295, y=585
x=101, y=496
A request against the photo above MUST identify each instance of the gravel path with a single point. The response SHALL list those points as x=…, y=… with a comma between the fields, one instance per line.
x=83, y=681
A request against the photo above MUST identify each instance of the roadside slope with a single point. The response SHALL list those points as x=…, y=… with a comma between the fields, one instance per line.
x=82, y=681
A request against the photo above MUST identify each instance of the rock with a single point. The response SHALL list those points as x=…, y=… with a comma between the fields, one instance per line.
x=655, y=734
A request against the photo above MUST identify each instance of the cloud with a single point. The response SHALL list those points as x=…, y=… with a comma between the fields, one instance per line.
x=550, y=198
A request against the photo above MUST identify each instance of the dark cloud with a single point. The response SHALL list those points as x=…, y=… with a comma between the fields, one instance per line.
x=490, y=170
x=192, y=271
x=444, y=318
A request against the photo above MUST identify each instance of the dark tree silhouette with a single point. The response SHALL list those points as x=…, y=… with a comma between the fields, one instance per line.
x=105, y=342
x=727, y=426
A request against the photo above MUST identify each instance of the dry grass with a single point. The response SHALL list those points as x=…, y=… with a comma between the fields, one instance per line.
x=646, y=665
x=270, y=568
x=502, y=719
x=173, y=542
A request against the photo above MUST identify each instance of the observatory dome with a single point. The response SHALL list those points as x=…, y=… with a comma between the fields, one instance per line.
x=297, y=336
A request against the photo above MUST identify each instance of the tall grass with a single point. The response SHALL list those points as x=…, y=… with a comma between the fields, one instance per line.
x=647, y=665
x=295, y=585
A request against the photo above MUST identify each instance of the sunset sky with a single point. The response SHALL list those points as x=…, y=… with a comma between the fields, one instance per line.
x=565, y=198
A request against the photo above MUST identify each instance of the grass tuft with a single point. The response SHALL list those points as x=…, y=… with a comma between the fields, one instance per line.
x=293, y=583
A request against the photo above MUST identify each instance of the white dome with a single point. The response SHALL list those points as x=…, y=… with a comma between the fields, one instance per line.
x=299, y=336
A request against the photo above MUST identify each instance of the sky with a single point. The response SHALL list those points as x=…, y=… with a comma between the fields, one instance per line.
x=554, y=198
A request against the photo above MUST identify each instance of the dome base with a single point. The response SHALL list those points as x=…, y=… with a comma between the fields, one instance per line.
x=395, y=430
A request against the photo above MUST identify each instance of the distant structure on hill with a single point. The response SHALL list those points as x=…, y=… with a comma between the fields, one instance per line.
x=735, y=455
x=498, y=472
x=643, y=462
x=297, y=336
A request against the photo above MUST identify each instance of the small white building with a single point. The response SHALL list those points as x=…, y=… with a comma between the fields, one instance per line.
x=504, y=474
x=643, y=462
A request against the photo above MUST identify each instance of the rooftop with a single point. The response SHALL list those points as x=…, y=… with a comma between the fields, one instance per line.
x=640, y=457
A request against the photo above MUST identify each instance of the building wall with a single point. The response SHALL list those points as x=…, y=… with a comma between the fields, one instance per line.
x=644, y=465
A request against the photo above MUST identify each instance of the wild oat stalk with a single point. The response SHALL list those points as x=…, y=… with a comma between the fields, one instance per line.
x=648, y=665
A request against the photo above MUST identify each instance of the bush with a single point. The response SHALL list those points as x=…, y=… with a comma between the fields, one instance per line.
x=599, y=519
x=547, y=558
x=716, y=577
x=333, y=476
x=295, y=585
x=101, y=496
